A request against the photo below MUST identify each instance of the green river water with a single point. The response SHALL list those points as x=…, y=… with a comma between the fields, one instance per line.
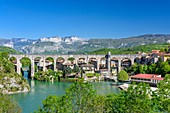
x=30, y=101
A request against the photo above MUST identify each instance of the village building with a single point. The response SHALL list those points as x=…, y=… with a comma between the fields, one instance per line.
x=87, y=68
x=166, y=57
x=151, y=79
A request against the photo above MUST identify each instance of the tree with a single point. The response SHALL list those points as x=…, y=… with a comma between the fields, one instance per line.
x=82, y=98
x=162, y=94
x=135, y=100
x=50, y=105
x=76, y=69
x=151, y=68
x=66, y=71
x=50, y=59
x=163, y=68
x=8, y=105
x=145, y=69
x=166, y=49
x=48, y=75
x=162, y=50
x=109, y=105
x=71, y=59
x=41, y=75
x=164, y=87
x=79, y=98
x=5, y=65
x=133, y=69
x=123, y=75
x=4, y=55
x=141, y=69
x=25, y=61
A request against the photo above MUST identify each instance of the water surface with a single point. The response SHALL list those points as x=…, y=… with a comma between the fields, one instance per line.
x=30, y=101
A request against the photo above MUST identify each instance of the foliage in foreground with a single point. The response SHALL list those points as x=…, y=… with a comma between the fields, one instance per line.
x=8, y=105
x=81, y=98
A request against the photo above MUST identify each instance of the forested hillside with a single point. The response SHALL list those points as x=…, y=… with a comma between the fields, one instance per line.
x=132, y=50
x=8, y=50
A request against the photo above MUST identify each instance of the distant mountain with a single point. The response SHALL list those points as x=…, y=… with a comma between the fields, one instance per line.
x=55, y=45
x=73, y=44
x=16, y=43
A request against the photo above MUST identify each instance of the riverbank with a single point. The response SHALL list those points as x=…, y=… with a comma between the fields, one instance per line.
x=123, y=86
x=71, y=79
x=17, y=92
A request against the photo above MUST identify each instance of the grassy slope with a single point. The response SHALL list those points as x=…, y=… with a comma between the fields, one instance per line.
x=132, y=50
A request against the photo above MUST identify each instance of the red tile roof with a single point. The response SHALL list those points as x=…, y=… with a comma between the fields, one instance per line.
x=155, y=51
x=148, y=76
x=158, y=78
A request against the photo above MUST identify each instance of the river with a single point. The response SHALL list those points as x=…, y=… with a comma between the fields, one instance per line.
x=30, y=101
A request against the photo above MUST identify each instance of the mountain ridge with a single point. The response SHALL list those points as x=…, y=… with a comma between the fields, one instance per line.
x=73, y=44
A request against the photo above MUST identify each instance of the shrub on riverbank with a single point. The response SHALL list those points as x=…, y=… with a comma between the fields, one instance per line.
x=49, y=75
x=92, y=74
x=123, y=76
x=71, y=79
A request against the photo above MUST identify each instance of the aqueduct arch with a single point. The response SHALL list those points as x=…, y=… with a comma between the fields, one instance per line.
x=94, y=62
x=102, y=64
x=126, y=63
x=78, y=60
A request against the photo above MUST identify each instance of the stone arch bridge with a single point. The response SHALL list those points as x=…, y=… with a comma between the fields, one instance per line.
x=100, y=59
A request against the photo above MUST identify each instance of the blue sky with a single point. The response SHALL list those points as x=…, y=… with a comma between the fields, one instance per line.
x=83, y=18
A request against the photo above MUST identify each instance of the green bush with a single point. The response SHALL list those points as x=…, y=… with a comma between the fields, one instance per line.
x=123, y=75
x=90, y=74
x=97, y=74
x=14, y=89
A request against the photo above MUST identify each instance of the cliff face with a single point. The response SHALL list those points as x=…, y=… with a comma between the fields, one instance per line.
x=13, y=84
x=72, y=44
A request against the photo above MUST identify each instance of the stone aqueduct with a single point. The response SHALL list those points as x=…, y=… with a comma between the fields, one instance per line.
x=98, y=58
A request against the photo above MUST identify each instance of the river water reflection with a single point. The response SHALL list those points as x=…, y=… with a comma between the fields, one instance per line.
x=30, y=101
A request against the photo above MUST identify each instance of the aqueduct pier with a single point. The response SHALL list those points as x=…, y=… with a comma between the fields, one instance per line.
x=100, y=59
